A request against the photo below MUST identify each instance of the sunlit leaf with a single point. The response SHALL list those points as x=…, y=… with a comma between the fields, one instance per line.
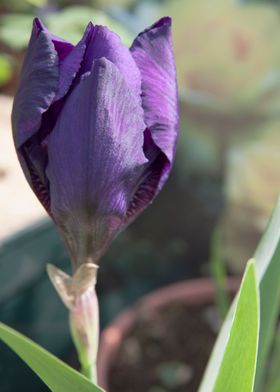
x=267, y=259
x=58, y=376
x=237, y=369
x=268, y=270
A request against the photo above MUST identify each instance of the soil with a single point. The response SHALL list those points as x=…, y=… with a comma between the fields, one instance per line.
x=167, y=350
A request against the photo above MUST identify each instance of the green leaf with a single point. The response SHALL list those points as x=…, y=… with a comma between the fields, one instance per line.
x=5, y=69
x=268, y=278
x=272, y=383
x=237, y=370
x=58, y=376
x=268, y=269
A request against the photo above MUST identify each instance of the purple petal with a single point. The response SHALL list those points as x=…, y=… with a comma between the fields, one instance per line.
x=62, y=47
x=153, y=54
x=70, y=57
x=37, y=88
x=152, y=51
x=95, y=158
x=34, y=98
x=102, y=42
x=33, y=159
x=31, y=148
x=152, y=179
x=70, y=66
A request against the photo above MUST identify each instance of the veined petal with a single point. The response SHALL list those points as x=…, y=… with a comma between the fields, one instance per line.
x=153, y=177
x=37, y=88
x=62, y=47
x=153, y=54
x=102, y=42
x=31, y=146
x=70, y=57
x=152, y=51
x=95, y=159
x=70, y=66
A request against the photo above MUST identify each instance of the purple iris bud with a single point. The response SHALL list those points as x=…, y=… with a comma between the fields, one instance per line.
x=95, y=128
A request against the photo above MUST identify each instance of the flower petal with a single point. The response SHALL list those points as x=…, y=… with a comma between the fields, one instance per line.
x=152, y=51
x=153, y=54
x=32, y=150
x=70, y=57
x=152, y=179
x=62, y=47
x=102, y=42
x=71, y=64
x=97, y=149
x=34, y=95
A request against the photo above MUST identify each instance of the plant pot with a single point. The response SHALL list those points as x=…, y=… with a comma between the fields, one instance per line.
x=194, y=294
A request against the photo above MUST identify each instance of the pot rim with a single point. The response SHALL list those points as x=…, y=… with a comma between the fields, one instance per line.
x=193, y=292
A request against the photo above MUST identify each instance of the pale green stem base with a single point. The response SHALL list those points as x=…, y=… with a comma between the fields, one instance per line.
x=90, y=372
x=84, y=325
x=79, y=296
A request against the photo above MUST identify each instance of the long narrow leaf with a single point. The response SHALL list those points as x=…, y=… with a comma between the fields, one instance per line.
x=58, y=376
x=237, y=370
x=272, y=382
x=268, y=269
x=268, y=278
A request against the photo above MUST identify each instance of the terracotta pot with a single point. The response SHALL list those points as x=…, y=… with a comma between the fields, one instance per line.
x=192, y=292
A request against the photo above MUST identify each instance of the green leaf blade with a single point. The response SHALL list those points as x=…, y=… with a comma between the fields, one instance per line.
x=58, y=376
x=268, y=268
x=237, y=370
x=267, y=258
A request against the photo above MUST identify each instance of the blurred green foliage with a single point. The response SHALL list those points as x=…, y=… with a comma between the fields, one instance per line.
x=5, y=69
x=15, y=5
x=15, y=30
x=69, y=23
x=275, y=2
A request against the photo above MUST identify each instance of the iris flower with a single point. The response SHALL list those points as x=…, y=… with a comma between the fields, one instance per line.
x=95, y=128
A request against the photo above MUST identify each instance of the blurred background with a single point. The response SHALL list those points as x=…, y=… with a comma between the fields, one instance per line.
x=226, y=177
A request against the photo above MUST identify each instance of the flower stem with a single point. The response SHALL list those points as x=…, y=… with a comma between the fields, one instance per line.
x=79, y=295
x=90, y=372
x=84, y=325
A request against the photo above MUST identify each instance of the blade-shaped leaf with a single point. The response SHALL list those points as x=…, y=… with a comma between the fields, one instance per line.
x=268, y=269
x=237, y=370
x=272, y=382
x=58, y=376
x=268, y=278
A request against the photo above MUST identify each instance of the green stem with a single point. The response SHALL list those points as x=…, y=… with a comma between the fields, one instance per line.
x=84, y=325
x=90, y=372
x=78, y=294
